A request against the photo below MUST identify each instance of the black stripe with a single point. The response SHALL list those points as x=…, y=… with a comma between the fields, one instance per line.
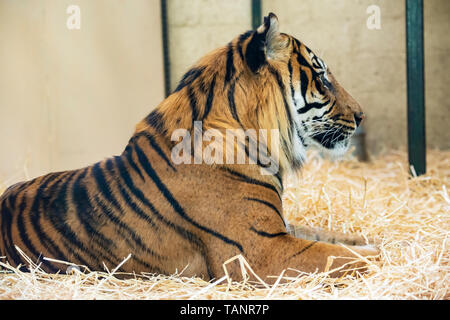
x=308, y=49
x=304, y=81
x=193, y=105
x=129, y=156
x=302, y=250
x=7, y=219
x=24, y=237
x=328, y=139
x=59, y=220
x=57, y=214
x=303, y=62
x=343, y=126
x=283, y=93
x=279, y=178
x=156, y=147
x=232, y=104
x=268, y=204
x=325, y=113
x=268, y=235
x=299, y=44
x=123, y=173
x=291, y=84
x=241, y=39
x=145, y=163
x=314, y=105
x=103, y=186
x=48, y=197
x=255, y=55
x=80, y=260
x=203, y=85
x=242, y=177
x=150, y=268
x=106, y=192
x=41, y=199
x=130, y=237
x=230, y=65
x=319, y=87
x=155, y=120
x=338, y=117
x=88, y=218
x=250, y=156
x=315, y=63
x=210, y=98
x=126, y=196
x=189, y=77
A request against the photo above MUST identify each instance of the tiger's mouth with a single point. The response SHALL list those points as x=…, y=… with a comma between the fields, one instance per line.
x=335, y=141
x=330, y=139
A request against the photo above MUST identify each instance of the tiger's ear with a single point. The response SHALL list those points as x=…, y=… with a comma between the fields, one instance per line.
x=264, y=44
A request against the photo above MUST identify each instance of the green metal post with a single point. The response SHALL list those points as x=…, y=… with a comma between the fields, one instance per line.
x=415, y=85
x=256, y=14
x=165, y=44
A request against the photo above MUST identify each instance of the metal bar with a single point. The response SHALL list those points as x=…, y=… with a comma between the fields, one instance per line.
x=416, y=85
x=256, y=14
x=165, y=45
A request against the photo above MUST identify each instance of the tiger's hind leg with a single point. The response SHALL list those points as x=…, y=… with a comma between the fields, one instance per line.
x=317, y=234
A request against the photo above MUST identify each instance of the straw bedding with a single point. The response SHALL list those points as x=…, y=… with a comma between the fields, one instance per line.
x=409, y=217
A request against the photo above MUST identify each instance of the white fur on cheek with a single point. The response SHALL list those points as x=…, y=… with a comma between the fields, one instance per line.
x=339, y=149
x=299, y=100
x=299, y=149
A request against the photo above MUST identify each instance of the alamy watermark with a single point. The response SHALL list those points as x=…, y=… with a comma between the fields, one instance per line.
x=74, y=20
x=374, y=20
x=229, y=146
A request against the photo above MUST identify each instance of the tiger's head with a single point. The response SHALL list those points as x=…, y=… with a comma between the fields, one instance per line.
x=323, y=113
x=264, y=79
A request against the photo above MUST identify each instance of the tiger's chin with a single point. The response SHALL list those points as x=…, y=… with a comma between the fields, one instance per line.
x=335, y=151
x=339, y=149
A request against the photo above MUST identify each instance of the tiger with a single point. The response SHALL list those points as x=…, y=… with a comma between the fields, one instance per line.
x=195, y=216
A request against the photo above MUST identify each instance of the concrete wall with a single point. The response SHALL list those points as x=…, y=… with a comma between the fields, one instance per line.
x=199, y=26
x=69, y=98
x=437, y=72
x=369, y=63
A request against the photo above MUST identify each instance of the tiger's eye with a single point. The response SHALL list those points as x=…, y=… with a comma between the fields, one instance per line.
x=325, y=82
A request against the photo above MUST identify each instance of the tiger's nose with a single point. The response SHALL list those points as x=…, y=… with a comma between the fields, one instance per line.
x=359, y=116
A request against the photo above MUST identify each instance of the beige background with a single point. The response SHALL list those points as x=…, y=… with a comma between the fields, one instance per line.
x=71, y=97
